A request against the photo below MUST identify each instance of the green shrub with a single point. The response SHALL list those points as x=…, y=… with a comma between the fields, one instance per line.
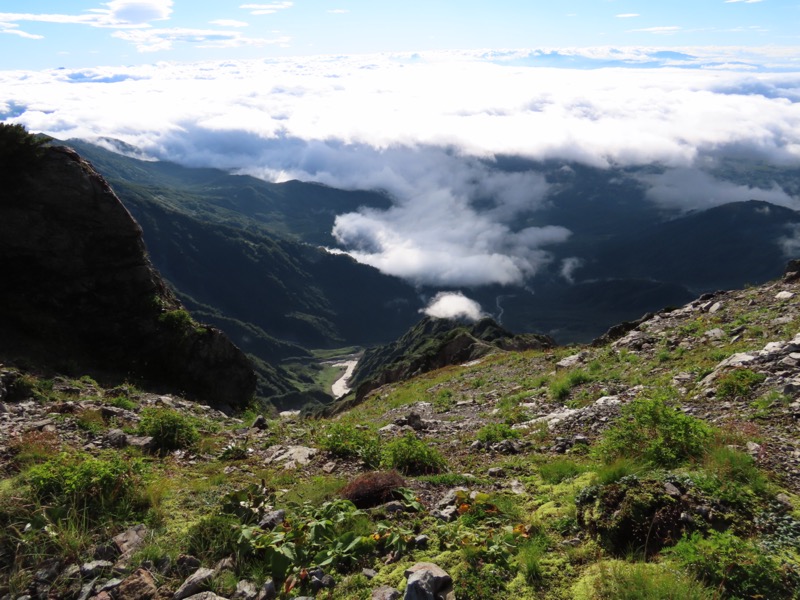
x=731, y=475
x=617, y=580
x=412, y=456
x=89, y=484
x=562, y=386
x=169, y=429
x=616, y=470
x=559, y=470
x=529, y=559
x=496, y=432
x=736, y=566
x=651, y=430
x=738, y=383
x=348, y=441
x=214, y=538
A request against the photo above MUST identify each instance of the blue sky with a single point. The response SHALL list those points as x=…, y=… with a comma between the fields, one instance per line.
x=39, y=34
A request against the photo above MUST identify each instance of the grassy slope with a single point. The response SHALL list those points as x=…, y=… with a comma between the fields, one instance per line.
x=539, y=543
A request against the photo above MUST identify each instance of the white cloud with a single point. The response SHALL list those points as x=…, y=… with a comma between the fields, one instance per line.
x=266, y=9
x=689, y=189
x=228, y=23
x=136, y=12
x=153, y=40
x=662, y=30
x=13, y=29
x=450, y=305
x=429, y=129
x=119, y=14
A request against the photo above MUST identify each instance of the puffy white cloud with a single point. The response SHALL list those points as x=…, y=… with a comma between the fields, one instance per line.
x=453, y=305
x=428, y=129
x=137, y=11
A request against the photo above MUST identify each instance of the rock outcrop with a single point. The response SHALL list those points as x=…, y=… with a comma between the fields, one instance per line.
x=77, y=283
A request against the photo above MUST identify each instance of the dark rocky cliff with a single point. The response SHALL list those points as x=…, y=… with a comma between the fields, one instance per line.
x=77, y=283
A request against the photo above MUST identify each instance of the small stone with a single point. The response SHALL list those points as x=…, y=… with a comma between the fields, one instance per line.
x=580, y=440
x=393, y=507
x=131, y=540
x=671, y=490
x=272, y=519
x=421, y=541
x=245, y=590
x=784, y=295
x=260, y=422
x=194, y=584
x=715, y=307
x=385, y=593
x=369, y=573
x=187, y=563
x=753, y=449
x=95, y=568
x=329, y=467
x=496, y=472
x=138, y=586
x=447, y=514
x=268, y=591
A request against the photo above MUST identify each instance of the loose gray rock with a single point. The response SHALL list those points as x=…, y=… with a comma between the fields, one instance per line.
x=268, y=591
x=194, y=584
x=131, y=540
x=385, y=593
x=95, y=568
x=427, y=581
x=245, y=590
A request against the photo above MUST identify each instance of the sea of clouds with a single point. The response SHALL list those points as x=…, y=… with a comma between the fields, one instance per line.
x=427, y=128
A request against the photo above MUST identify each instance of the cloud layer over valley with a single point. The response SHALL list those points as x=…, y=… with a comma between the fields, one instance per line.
x=434, y=130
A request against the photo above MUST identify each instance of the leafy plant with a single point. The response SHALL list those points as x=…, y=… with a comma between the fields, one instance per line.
x=738, y=383
x=85, y=483
x=169, y=429
x=651, y=430
x=214, y=537
x=347, y=441
x=412, y=456
x=558, y=470
x=617, y=580
x=496, y=432
x=737, y=566
x=731, y=475
x=561, y=387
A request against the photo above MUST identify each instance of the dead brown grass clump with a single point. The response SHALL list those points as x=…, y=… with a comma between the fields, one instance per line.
x=373, y=488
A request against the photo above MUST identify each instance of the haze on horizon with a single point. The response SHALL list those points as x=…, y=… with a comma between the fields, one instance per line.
x=420, y=100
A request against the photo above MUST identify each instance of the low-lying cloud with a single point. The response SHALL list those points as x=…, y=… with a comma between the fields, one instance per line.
x=429, y=131
x=453, y=305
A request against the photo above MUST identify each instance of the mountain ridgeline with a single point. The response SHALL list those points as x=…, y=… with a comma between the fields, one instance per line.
x=79, y=289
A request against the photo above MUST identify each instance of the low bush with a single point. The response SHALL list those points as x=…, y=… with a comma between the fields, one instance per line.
x=561, y=387
x=169, y=429
x=412, y=456
x=651, y=430
x=738, y=383
x=559, y=470
x=496, y=432
x=617, y=580
x=87, y=484
x=735, y=566
x=347, y=441
x=214, y=537
x=731, y=476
